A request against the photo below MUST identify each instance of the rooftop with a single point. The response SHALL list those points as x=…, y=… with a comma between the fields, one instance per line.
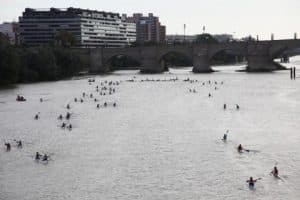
x=70, y=10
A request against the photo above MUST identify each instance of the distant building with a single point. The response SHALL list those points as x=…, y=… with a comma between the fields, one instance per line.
x=11, y=30
x=172, y=39
x=162, y=34
x=91, y=28
x=148, y=28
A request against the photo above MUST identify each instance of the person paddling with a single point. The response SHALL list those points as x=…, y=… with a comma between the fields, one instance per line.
x=70, y=127
x=225, y=136
x=275, y=172
x=63, y=125
x=68, y=115
x=8, y=147
x=252, y=181
x=37, y=156
x=240, y=148
x=45, y=157
x=19, y=144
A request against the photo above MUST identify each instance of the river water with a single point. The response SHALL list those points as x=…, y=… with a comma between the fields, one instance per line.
x=160, y=142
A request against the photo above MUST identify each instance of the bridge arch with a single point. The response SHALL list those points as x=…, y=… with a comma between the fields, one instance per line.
x=283, y=55
x=175, y=59
x=226, y=56
x=122, y=61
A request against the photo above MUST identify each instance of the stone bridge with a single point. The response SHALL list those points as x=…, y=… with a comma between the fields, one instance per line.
x=260, y=55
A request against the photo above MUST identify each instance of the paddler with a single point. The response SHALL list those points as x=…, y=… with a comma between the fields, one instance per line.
x=252, y=181
x=240, y=148
x=275, y=172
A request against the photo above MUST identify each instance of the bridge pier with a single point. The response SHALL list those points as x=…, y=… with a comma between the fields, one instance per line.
x=151, y=66
x=261, y=63
x=260, y=60
x=201, y=61
x=149, y=58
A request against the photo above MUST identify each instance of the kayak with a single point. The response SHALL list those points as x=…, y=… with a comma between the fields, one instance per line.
x=251, y=187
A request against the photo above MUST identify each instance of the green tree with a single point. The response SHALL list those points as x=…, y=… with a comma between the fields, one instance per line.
x=4, y=39
x=9, y=62
x=66, y=39
x=206, y=38
x=69, y=64
x=9, y=65
x=44, y=63
x=248, y=39
x=38, y=64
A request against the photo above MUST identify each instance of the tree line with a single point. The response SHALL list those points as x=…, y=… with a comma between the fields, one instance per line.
x=44, y=63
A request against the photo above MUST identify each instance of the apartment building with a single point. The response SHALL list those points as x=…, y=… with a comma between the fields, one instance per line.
x=91, y=28
x=148, y=28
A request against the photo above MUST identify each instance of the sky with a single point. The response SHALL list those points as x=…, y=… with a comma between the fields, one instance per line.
x=238, y=17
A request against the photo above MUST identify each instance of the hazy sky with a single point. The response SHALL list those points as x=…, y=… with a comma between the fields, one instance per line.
x=242, y=17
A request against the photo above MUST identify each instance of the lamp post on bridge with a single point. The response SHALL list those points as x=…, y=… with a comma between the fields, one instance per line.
x=272, y=36
x=295, y=36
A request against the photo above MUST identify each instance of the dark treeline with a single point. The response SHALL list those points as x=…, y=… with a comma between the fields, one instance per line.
x=44, y=63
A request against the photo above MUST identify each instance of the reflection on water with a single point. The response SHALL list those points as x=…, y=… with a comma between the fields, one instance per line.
x=160, y=142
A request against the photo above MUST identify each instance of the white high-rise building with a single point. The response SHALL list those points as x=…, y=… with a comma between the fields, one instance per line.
x=91, y=28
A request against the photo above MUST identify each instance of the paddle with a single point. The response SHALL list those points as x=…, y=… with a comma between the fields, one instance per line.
x=254, y=180
x=250, y=150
